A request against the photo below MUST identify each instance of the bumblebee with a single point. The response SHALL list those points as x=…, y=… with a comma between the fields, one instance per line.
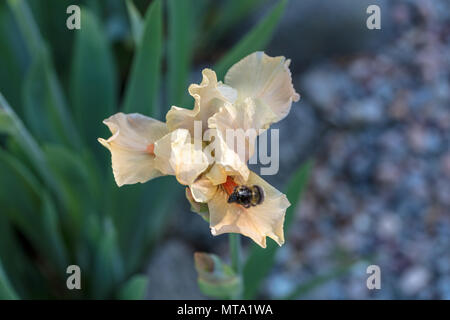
x=247, y=196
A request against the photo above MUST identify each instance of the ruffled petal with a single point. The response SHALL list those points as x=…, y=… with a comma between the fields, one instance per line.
x=209, y=96
x=237, y=128
x=267, y=80
x=226, y=160
x=176, y=154
x=203, y=189
x=244, y=114
x=243, y=123
x=216, y=174
x=257, y=222
x=130, y=146
x=197, y=207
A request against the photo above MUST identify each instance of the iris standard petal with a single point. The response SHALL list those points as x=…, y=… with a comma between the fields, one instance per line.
x=176, y=154
x=209, y=96
x=267, y=80
x=203, y=189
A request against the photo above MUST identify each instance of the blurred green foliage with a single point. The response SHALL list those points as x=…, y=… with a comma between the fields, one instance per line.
x=59, y=204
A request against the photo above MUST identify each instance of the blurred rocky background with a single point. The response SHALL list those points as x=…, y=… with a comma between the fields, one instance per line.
x=375, y=115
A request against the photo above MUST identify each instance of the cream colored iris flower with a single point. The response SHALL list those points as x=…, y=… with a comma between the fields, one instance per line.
x=264, y=96
x=257, y=91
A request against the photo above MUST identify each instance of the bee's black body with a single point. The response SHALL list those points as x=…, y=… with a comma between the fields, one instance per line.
x=247, y=196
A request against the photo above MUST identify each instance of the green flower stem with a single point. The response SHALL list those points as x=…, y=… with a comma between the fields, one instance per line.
x=236, y=257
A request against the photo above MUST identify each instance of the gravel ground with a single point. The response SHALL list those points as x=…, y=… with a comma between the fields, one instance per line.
x=380, y=189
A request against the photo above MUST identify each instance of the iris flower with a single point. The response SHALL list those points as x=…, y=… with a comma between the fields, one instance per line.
x=257, y=91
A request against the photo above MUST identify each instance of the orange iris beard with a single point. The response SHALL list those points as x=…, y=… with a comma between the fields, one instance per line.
x=150, y=149
x=229, y=185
